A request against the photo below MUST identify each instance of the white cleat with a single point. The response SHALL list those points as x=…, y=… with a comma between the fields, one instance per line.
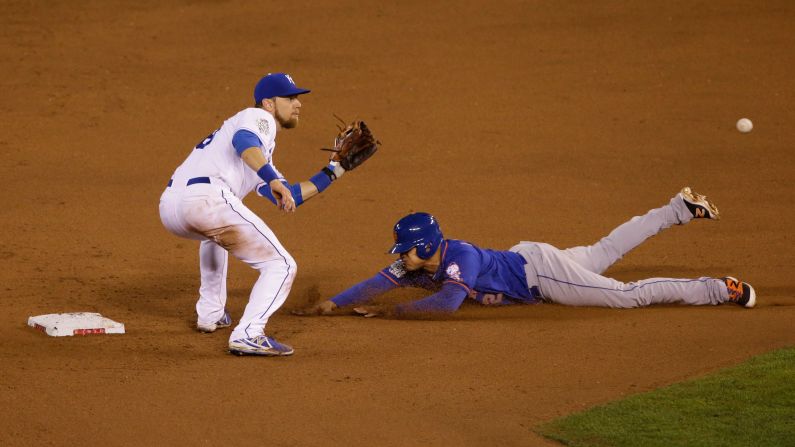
x=259, y=345
x=225, y=321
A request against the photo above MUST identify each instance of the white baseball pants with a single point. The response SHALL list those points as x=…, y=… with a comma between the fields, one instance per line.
x=212, y=214
x=573, y=276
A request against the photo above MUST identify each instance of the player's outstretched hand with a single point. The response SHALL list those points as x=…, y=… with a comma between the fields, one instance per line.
x=326, y=307
x=284, y=198
x=370, y=311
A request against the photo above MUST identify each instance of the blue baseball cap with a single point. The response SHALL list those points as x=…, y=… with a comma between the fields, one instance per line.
x=276, y=84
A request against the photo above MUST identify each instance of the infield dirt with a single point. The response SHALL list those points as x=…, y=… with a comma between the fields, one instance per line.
x=508, y=120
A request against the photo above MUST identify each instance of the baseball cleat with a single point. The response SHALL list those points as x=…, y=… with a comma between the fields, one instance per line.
x=699, y=206
x=225, y=321
x=740, y=292
x=259, y=345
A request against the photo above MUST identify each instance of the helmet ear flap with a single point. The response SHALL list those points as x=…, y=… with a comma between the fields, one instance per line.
x=431, y=244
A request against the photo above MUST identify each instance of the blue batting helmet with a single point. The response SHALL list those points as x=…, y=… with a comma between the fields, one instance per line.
x=419, y=230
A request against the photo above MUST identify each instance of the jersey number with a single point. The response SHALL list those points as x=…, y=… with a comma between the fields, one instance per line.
x=207, y=140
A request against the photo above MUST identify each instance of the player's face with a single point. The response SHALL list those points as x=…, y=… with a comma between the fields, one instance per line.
x=286, y=111
x=411, y=260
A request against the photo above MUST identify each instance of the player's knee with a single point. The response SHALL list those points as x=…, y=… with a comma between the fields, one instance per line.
x=292, y=266
x=283, y=264
x=289, y=265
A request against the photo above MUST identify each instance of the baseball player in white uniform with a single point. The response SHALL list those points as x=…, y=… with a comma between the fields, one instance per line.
x=203, y=202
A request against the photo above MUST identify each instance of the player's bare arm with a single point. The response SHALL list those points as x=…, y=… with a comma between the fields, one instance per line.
x=255, y=159
x=353, y=145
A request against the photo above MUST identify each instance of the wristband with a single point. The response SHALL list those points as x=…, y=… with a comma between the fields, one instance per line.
x=328, y=174
x=322, y=179
x=267, y=173
x=265, y=191
x=336, y=169
x=296, y=190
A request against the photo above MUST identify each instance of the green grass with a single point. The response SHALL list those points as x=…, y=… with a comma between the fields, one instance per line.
x=752, y=404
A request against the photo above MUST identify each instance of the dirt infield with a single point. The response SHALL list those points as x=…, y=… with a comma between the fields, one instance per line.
x=509, y=120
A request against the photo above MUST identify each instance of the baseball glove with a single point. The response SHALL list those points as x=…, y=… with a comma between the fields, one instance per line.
x=353, y=145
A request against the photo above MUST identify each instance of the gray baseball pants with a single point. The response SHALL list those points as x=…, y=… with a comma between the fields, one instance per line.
x=573, y=276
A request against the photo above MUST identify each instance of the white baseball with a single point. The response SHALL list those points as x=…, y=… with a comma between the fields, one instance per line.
x=744, y=125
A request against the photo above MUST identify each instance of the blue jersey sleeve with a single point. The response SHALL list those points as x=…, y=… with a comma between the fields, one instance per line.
x=401, y=277
x=462, y=270
x=447, y=300
x=244, y=139
x=492, y=299
x=364, y=291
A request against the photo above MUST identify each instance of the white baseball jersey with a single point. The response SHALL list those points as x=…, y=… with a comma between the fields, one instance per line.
x=215, y=156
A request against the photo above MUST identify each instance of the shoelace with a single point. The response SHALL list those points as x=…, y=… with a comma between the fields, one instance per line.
x=263, y=340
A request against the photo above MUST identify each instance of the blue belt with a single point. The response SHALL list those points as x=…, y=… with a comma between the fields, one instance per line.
x=192, y=181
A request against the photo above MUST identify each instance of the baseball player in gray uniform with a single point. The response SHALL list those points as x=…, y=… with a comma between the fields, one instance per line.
x=203, y=202
x=532, y=272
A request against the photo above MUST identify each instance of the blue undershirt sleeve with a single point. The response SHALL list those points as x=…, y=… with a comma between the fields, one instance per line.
x=447, y=300
x=364, y=291
x=244, y=139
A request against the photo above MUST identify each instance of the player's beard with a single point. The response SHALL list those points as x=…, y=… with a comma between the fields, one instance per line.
x=286, y=123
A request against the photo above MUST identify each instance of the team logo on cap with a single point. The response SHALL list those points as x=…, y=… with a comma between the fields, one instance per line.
x=263, y=126
x=453, y=271
x=289, y=79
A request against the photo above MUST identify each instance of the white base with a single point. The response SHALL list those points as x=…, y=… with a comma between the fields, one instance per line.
x=75, y=323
